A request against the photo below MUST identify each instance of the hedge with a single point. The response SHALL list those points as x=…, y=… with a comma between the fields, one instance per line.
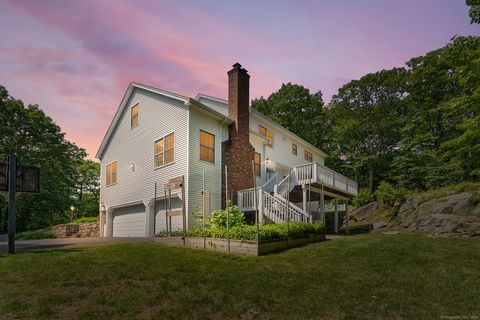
x=266, y=232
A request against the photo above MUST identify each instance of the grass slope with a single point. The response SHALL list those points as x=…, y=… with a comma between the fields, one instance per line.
x=357, y=277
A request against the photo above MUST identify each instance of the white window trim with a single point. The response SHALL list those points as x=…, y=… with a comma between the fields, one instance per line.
x=106, y=173
x=174, y=148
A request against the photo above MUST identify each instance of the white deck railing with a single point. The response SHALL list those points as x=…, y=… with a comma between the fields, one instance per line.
x=316, y=173
x=277, y=208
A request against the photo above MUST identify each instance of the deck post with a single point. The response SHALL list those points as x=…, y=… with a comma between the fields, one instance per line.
x=336, y=216
x=261, y=206
x=346, y=216
x=304, y=196
x=322, y=206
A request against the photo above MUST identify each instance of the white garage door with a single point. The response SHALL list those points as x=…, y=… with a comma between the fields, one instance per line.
x=129, y=222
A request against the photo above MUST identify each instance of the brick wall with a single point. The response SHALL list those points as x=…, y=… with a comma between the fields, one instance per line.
x=237, y=152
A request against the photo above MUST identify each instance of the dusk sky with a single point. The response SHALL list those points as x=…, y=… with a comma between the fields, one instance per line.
x=76, y=58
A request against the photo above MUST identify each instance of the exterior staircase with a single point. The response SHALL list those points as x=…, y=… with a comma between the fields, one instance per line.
x=272, y=198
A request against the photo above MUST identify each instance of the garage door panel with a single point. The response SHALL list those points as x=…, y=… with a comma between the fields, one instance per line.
x=129, y=222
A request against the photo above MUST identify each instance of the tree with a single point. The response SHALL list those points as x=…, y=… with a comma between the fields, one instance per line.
x=474, y=13
x=367, y=115
x=38, y=141
x=295, y=108
x=87, y=178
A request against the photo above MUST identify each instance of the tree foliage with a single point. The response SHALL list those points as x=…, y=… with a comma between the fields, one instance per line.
x=295, y=108
x=37, y=141
x=416, y=127
x=474, y=13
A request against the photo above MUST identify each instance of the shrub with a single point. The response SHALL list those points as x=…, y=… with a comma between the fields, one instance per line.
x=474, y=199
x=219, y=217
x=266, y=232
x=173, y=233
x=363, y=197
x=387, y=195
x=85, y=220
x=31, y=235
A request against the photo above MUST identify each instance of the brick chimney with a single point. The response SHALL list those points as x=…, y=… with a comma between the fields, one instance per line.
x=237, y=152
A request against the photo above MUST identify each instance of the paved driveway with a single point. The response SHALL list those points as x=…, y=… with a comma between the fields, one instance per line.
x=27, y=245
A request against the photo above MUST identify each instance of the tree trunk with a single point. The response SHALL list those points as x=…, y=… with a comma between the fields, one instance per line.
x=370, y=179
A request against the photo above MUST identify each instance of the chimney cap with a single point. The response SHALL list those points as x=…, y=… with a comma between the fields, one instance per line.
x=237, y=65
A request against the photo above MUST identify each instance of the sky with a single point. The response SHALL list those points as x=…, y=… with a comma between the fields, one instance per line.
x=76, y=58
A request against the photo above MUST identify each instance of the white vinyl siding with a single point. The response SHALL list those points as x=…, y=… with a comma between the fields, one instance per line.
x=213, y=171
x=134, y=150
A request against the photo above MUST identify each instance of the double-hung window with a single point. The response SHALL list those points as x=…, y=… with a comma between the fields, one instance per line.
x=111, y=173
x=207, y=146
x=134, y=115
x=308, y=156
x=164, y=150
x=256, y=163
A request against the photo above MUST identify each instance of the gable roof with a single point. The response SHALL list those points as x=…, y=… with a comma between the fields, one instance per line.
x=266, y=119
x=189, y=102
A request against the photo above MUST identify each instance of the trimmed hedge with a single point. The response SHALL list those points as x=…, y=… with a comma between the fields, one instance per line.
x=266, y=232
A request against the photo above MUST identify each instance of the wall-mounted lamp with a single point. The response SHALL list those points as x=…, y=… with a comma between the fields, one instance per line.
x=132, y=166
x=102, y=207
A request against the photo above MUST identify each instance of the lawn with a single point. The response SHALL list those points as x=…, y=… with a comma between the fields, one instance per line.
x=356, y=277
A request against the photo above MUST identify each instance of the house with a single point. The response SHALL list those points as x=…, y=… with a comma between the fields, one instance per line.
x=156, y=136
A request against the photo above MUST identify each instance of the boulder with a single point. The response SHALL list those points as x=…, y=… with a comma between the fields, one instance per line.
x=365, y=212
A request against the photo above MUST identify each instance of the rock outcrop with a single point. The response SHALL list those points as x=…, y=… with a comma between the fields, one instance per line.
x=445, y=215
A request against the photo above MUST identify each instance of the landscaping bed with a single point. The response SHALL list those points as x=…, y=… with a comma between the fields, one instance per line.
x=241, y=238
x=243, y=247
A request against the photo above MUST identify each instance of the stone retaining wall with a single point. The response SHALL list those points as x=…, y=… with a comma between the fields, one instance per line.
x=81, y=230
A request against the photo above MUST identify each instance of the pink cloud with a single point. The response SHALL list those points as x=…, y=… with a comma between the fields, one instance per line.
x=75, y=59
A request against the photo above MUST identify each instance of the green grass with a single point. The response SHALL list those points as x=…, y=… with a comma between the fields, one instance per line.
x=39, y=234
x=356, y=277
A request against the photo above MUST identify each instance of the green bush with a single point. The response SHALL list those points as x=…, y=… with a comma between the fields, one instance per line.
x=31, y=235
x=363, y=197
x=474, y=199
x=84, y=220
x=266, y=232
x=173, y=233
x=219, y=217
x=387, y=195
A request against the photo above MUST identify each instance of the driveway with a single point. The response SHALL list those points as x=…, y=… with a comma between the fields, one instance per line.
x=27, y=245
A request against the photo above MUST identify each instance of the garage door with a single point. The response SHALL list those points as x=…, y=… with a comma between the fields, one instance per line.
x=129, y=222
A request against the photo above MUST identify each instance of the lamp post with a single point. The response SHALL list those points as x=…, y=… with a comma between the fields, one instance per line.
x=72, y=208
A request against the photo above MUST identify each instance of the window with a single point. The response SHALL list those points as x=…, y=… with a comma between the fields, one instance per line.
x=256, y=163
x=134, y=115
x=111, y=173
x=308, y=156
x=266, y=133
x=294, y=149
x=207, y=146
x=262, y=130
x=164, y=151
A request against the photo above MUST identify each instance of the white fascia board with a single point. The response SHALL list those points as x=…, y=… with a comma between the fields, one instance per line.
x=208, y=111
